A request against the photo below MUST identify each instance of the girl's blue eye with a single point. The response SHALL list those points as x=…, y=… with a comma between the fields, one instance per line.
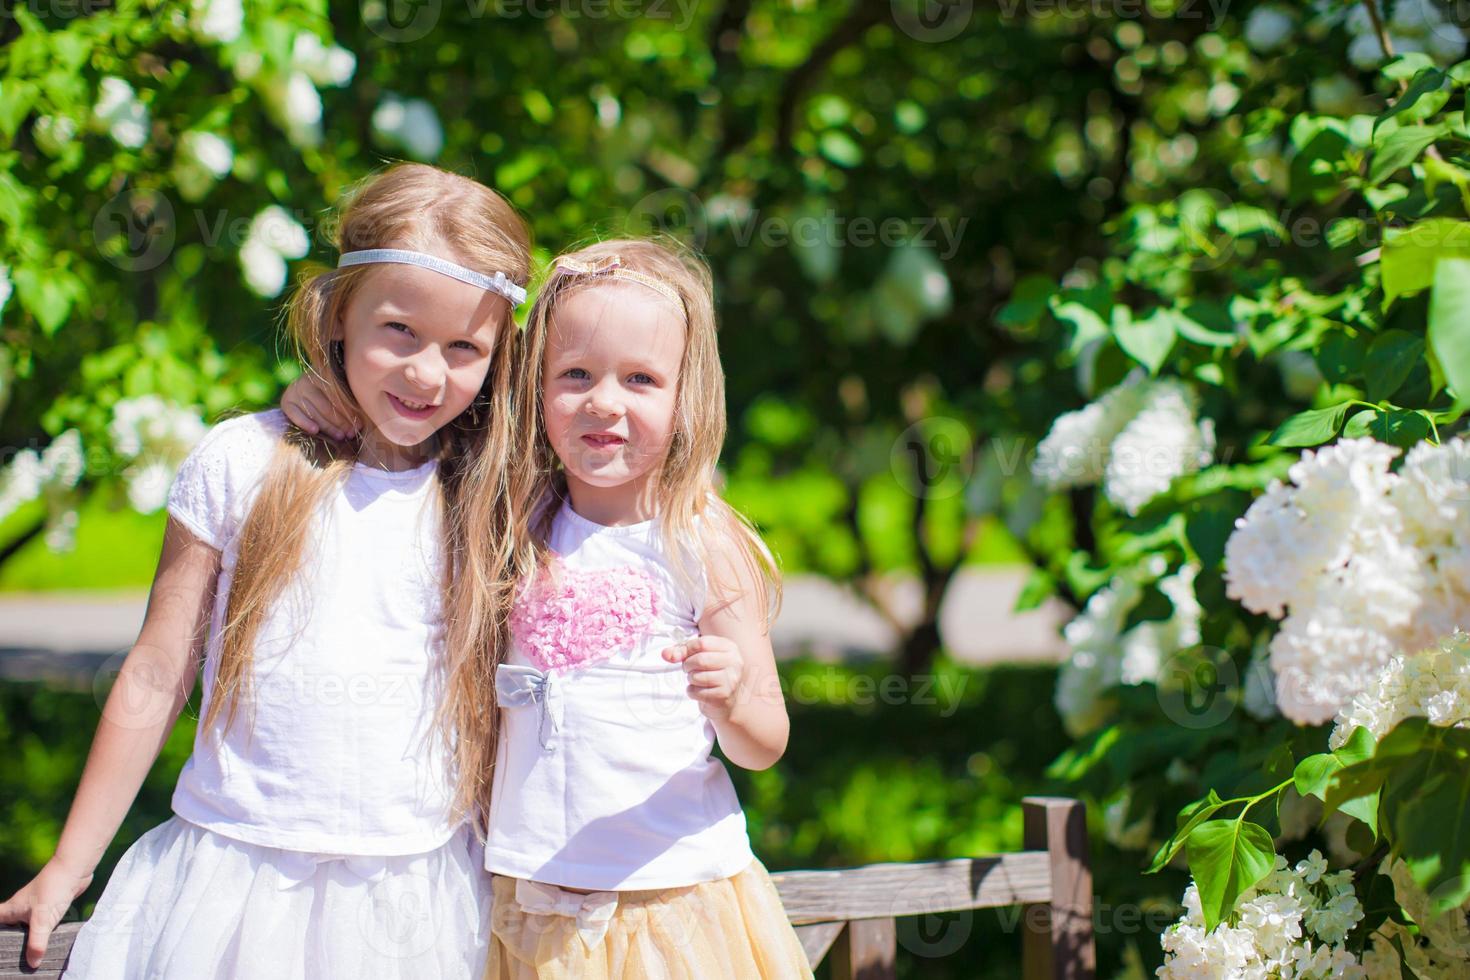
x=578, y=373
x=466, y=345
x=395, y=325
x=642, y=379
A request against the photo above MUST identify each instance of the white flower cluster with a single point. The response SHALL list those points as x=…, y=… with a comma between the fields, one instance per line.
x=1416, y=26
x=1440, y=949
x=411, y=125
x=293, y=96
x=1268, y=27
x=1134, y=440
x=51, y=475
x=1102, y=654
x=217, y=21
x=119, y=111
x=203, y=158
x=1362, y=563
x=274, y=237
x=1433, y=683
x=1290, y=926
x=155, y=436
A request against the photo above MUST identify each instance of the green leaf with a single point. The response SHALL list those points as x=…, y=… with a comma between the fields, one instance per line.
x=46, y=293
x=1410, y=254
x=1407, y=65
x=1438, y=172
x=1240, y=220
x=1147, y=341
x=1227, y=857
x=1039, y=587
x=1431, y=86
x=1359, y=424
x=1208, y=524
x=1425, y=806
x=1191, y=329
x=1314, y=772
x=1359, y=746
x=1400, y=427
x=1449, y=323
x=1086, y=325
x=1309, y=428
x=1027, y=303
x=1189, y=818
x=1391, y=357
x=1400, y=149
x=1341, y=356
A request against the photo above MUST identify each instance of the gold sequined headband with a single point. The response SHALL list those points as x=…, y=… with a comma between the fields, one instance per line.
x=612, y=266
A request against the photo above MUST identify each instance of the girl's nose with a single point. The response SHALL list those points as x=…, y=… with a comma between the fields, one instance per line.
x=425, y=371
x=602, y=400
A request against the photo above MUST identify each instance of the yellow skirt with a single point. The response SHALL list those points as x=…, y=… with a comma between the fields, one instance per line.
x=734, y=927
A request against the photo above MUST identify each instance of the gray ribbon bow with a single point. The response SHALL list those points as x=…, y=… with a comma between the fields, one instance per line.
x=518, y=686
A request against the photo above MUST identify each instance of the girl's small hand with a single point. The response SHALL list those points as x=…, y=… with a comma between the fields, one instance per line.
x=306, y=404
x=715, y=669
x=41, y=905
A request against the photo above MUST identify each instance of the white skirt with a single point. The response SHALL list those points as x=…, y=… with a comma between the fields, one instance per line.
x=185, y=903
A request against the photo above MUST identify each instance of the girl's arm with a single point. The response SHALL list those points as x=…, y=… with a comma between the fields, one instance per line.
x=151, y=689
x=731, y=668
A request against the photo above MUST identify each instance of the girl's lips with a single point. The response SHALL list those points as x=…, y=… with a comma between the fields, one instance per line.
x=603, y=441
x=417, y=414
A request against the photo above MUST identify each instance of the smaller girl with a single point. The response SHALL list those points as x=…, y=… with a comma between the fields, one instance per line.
x=640, y=638
x=320, y=827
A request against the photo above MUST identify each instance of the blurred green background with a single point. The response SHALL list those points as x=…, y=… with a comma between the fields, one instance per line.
x=889, y=194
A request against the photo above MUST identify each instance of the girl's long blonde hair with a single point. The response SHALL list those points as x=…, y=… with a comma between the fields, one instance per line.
x=423, y=208
x=694, y=519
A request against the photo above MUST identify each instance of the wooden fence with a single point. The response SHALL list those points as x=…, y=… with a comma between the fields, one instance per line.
x=850, y=914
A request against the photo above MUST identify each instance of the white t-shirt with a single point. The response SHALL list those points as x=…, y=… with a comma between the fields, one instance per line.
x=604, y=778
x=333, y=749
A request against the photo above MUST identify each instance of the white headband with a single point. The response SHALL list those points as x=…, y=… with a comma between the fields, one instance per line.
x=498, y=283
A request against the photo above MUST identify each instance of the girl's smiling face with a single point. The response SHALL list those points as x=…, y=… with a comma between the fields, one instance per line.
x=610, y=382
x=416, y=348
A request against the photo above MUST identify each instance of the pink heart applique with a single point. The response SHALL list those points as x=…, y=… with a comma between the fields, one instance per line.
x=574, y=617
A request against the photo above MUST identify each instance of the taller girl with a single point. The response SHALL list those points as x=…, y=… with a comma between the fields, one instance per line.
x=320, y=825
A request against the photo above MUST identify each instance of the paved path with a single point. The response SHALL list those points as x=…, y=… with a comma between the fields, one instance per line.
x=65, y=638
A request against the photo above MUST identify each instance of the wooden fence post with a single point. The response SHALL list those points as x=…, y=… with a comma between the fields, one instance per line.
x=866, y=950
x=1058, y=937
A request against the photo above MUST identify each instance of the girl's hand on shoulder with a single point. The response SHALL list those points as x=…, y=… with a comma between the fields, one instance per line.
x=715, y=669
x=41, y=905
x=306, y=404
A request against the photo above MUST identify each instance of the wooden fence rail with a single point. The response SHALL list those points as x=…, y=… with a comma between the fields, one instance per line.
x=851, y=913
